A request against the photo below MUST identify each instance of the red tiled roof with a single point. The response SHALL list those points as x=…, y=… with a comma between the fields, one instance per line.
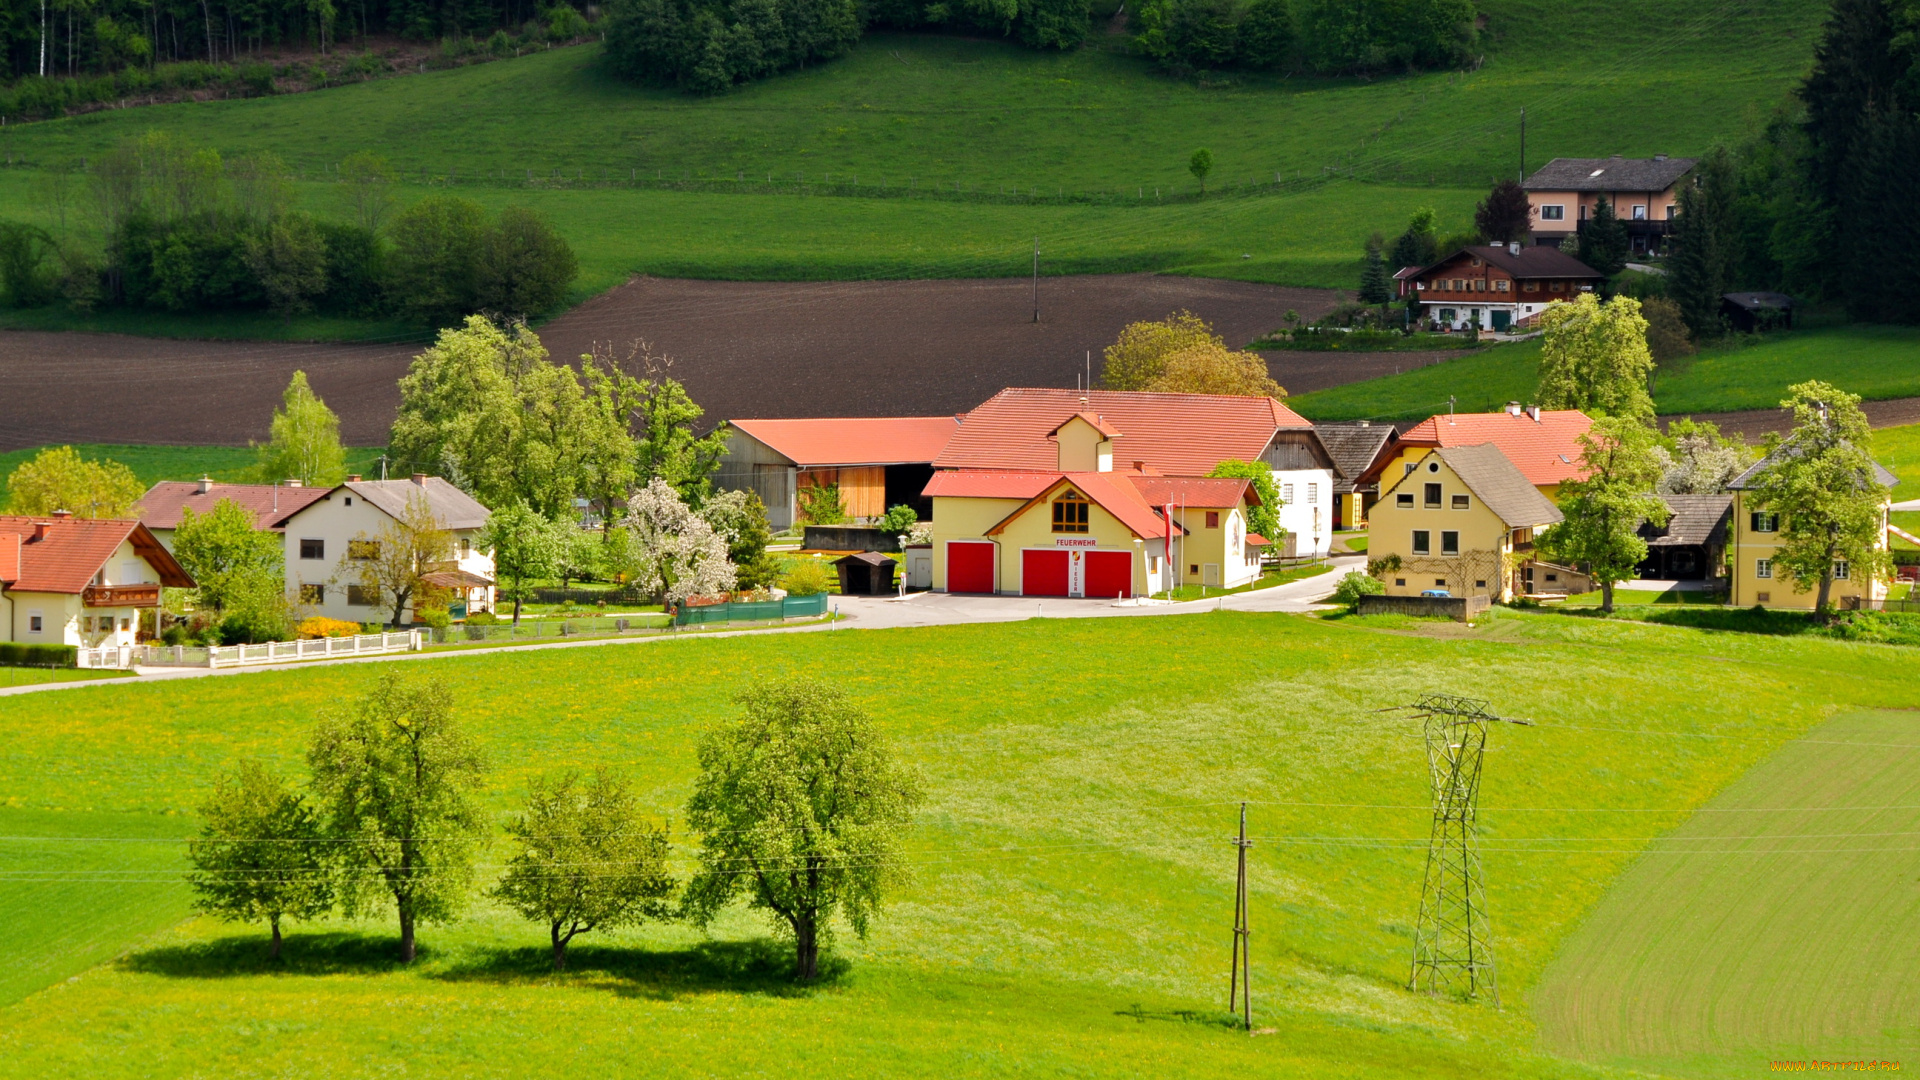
x=1256, y=540
x=1546, y=451
x=1093, y=419
x=1208, y=492
x=75, y=549
x=988, y=484
x=9, y=558
x=890, y=440
x=270, y=504
x=1110, y=492
x=1185, y=434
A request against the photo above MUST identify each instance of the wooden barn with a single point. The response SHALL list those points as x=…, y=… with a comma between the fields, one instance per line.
x=876, y=462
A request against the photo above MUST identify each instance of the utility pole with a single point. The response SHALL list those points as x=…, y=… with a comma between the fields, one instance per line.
x=1523, y=146
x=383, y=466
x=1240, y=986
x=1036, y=279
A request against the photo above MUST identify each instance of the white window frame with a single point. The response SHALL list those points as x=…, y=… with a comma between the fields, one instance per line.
x=1422, y=542
x=1553, y=211
x=1444, y=534
x=1763, y=569
x=1841, y=571
x=1313, y=494
x=36, y=622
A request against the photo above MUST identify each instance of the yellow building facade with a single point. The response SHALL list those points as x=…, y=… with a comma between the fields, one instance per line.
x=1753, y=578
x=1460, y=519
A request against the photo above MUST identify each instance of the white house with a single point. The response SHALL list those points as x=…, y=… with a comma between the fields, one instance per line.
x=74, y=581
x=326, y=538
x=166, y=502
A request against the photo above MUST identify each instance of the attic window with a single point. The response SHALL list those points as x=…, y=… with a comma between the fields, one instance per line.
x=1070, y=513
x=1595, y=173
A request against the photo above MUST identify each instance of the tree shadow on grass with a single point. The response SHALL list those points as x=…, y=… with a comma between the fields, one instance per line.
x=330, y=953
x=761, y=966
x=1200, y=1017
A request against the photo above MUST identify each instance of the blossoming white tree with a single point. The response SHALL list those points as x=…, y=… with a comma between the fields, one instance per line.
x=674, y=548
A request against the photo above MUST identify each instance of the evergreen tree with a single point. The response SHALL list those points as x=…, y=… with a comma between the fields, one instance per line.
x=1376, y=282
x=1703, y=243
x=1603, y=240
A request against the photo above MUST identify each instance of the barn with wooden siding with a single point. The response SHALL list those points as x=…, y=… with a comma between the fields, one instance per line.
x=876, y=462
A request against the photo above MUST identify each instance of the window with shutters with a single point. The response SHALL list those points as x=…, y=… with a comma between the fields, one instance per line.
x=1764, y=522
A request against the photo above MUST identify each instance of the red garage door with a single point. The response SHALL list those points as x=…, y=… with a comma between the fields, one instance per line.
x=1043, y=573
x=969, y=566
x=1109, y=574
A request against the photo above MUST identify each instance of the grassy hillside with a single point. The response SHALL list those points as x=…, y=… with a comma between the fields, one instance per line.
x=928, y=113
x=1876, y=362
x=1072, y=876
x=153, y=464
x=1793, y=886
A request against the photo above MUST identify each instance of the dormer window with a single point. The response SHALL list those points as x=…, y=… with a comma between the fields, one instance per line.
x=1070, y=512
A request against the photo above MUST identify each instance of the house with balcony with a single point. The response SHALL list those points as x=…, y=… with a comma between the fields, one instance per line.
x=1643, y=191
x=1462, y=519
x=82, y=582
x=328, y=539
x=1494, y=286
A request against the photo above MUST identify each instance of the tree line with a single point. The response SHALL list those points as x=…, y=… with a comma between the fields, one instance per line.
x=1327, y=37
x=106, y=36
x=800, y=805
x=181, y=228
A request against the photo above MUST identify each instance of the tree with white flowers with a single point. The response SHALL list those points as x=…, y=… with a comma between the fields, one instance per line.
x=673, y=548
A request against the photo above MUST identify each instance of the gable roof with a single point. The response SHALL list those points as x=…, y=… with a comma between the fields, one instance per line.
x=1499, y=484
x=1207, y=493
x=1697, y=519
x=1109, y=491
x=75, y=549
x=1745, y=481
x=987, y=484
x=9, y=558
x=887, y=440
x=1184, y=434
x=1093, y=420
x=1353, y=447
x=1609, y=174
x=270, y=504
x=1546, y=451
x=452, y=508
x=1537, y=261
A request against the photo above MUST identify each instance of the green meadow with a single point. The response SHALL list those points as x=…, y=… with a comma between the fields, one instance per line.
x=1876, y=362
x=1072, y=876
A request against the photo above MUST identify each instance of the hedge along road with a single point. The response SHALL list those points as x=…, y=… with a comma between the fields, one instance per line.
x=857, y=613
x=744, y=349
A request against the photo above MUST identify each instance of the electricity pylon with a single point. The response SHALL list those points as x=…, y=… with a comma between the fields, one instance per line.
x=1453, y=941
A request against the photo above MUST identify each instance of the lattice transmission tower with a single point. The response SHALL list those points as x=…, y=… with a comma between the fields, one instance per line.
x=1453, y=940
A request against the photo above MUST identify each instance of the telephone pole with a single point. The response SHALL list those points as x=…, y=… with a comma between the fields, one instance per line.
x=1240, y=986
x=1036, y=279
x=1523, y=146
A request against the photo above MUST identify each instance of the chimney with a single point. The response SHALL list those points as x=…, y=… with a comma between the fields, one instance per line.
x=1534, y=412
x=293, y=481
x=62, y=514
x=1139, y=466
x=1659, y=157
x=1513, y=408
x=353, y=478
x=420, y=478
x=1513, y=247
x=206, y=483
x=1366, y=423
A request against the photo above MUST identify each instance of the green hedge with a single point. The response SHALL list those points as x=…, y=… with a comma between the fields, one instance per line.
x=47, y=656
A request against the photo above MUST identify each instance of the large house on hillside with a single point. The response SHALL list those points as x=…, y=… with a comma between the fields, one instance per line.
x=1495, y=287
x=77, y=581
x=1062, y=493
x=1643, y=192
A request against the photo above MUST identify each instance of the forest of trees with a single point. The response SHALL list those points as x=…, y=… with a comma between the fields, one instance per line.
x=1323, y=36
x=162, y=225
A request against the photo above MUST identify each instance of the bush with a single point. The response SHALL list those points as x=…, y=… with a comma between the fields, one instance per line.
x=435, y=618
x=899, y=520
x=482, y=618
x=177, y=634
x=706, y=47
x=320, y=626
x=807, y=577
x=13, y=654
x=565, y=24
x=1354, y=586
x=822, y=505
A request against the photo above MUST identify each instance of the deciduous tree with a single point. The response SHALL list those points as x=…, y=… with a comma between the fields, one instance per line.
x=239, y=571
x=1200, y=164
x=525, y=267
x=673, y=549
x=368, y=181
x=1212, y=369
x=800, y=805
x=1827, y=490
x=588, y=859
x=741, y=517
x=389, y=565
x=1505, y=215
x=398, y=779
x=288, y=256
x=1696, y=459
x=1604, y=510
x=58, y=478
x=1265, y=518
x=305, y=440
x=1594, y=357
x=526, y=546
x=1140, y=354
x=261, y=853
x=436, y=251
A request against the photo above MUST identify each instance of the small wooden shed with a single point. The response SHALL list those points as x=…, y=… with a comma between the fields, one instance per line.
x=867, y=573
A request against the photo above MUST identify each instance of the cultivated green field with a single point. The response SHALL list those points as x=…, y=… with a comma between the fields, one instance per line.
x=1876, y=362
x=1072, y=874
x=1898, y=448
x=987, y=140
x=153, y=464
x=1722, y=947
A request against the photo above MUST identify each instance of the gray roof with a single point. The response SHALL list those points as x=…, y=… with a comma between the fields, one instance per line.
x=1499, y=484
x=1745, y=481
x=1697, y=519
x=1353, y=446
x=1610, y=174
x=1538, y=261
x=452, y=508
x=1756, y=301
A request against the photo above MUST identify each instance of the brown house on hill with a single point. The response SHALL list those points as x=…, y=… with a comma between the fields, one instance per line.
x=1496, y=287
x=1643, y=192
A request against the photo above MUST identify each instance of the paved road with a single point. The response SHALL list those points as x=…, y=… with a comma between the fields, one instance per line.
x=859, y=613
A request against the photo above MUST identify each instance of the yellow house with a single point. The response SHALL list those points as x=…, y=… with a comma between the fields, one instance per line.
x=1460, y=519
x=1086, y=530
x=1544, y=444
x=1756, y=538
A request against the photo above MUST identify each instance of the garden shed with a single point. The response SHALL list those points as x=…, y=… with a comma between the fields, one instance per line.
x=867, y=573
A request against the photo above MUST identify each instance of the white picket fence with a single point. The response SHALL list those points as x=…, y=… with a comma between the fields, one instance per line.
x=271, y=652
